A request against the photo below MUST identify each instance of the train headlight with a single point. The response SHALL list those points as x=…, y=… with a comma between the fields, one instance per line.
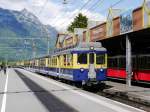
x=92, y=48
x=101, y=69
x=81, y=69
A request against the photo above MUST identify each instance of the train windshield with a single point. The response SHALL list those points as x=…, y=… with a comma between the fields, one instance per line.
x=100, y=58
x=82, y=58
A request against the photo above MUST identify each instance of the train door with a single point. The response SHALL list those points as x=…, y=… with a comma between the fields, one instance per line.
x=92, y=73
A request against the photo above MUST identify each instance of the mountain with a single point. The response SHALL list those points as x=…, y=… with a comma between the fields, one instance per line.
x=24, y=31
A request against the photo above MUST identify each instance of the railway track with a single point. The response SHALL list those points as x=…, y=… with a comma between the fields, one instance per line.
x=100, y=91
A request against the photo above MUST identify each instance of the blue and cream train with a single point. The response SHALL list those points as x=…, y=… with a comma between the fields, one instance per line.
x=85, y=62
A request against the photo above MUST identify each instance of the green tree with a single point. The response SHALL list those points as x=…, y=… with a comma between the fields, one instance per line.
x=80, y=21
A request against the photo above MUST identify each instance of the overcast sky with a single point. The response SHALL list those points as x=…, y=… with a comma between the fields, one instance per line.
x=59, y=15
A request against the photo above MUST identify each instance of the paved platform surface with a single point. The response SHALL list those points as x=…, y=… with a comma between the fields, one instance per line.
x=23, y=91
x=134, y=93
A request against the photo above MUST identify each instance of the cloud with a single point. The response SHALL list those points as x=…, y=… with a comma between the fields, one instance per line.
x=65, y=19
x=85, y=1
x=37, y=3
x=50, y=12
x=13, y=4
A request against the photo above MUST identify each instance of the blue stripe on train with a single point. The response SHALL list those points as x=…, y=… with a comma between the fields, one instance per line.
x=78, y=75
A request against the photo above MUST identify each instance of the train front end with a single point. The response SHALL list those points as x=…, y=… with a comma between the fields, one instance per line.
x=90, y=63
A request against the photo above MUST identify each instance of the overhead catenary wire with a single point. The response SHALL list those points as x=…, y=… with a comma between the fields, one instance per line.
x=111, y=6
x=93, y=6
x=72, y=16
x=57, y=17
x=116, y=3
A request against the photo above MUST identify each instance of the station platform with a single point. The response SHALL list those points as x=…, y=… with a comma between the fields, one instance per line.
x=24, y=91
x=134, y=93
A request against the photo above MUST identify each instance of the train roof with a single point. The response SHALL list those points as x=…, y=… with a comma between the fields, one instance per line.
x=81, y=47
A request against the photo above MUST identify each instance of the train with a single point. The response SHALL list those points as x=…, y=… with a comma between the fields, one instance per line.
x=83, y=60
x=140, y=67
x=83, y=63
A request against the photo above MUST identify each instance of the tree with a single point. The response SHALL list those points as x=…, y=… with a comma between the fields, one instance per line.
x=80, y=21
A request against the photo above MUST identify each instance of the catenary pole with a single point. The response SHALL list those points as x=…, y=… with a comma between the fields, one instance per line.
x=128, y=61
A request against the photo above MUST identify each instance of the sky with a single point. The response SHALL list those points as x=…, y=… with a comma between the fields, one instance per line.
x=59, y=15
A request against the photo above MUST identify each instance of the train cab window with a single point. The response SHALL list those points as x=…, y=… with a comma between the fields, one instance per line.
x=100, y=58
x=82, y=59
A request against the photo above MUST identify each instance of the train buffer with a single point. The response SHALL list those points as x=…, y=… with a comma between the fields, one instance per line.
x=139, y=94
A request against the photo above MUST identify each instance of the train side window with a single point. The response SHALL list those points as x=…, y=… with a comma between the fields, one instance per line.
x=122, y=62
x=134, y=62
x=53, y=61
x=148, y=62
x=100, y=58
x=56, y=61
x=61, y=60
x=50, y=62
x=144, y=62
x=82, y=59
x=110, y=62
x=69, y=59
x=65, y=57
